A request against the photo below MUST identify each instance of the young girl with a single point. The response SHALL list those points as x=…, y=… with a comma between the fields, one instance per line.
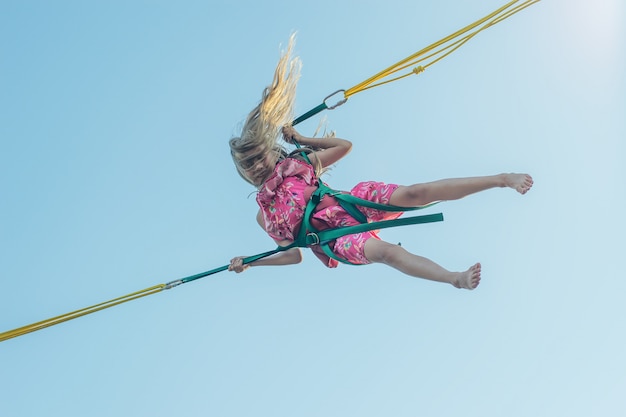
x=286, y=181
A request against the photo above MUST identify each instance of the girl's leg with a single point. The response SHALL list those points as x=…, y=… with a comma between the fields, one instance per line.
x=455, y=188
x=417, y=266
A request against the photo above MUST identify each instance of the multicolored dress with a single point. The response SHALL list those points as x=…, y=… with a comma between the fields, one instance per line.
x=284, y=196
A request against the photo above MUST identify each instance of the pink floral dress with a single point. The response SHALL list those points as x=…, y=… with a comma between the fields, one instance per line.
x=283, y=198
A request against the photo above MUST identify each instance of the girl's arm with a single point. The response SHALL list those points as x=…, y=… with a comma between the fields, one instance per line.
x=333, y=149
x=288, y=257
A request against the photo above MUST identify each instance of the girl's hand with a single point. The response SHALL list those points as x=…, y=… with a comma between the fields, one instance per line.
x=237, y=265
x=290, y=134
x=328, y=150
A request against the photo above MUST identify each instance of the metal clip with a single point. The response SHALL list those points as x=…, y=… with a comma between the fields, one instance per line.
x=339, y=103
x=173, y=284
x=316, y=238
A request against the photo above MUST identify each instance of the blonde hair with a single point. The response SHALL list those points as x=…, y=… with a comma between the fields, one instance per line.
x=261, y=130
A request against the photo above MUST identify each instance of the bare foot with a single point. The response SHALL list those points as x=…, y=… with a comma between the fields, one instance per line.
x=519, y=182
x=468, y=279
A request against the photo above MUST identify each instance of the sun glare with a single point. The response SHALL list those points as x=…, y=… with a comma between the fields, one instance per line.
x=600, y=22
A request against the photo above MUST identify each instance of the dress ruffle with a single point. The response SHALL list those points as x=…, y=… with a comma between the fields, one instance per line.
x=288, y=167
x=282, y=198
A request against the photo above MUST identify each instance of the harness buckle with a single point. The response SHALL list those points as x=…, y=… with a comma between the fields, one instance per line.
x=316, y=238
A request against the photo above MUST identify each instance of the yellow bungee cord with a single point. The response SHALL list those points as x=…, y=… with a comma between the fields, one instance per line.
x=418, y=62
x=440, y=49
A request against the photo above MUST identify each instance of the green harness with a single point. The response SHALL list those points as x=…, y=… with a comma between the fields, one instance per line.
x=309, y=235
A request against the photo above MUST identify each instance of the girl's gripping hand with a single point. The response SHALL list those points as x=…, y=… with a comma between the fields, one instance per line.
x=290, y=134
x=237, y=265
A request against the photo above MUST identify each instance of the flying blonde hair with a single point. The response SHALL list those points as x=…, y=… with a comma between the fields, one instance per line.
x=261, y=130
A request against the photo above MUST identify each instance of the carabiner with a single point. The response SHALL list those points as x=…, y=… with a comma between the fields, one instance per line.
x=339, y=103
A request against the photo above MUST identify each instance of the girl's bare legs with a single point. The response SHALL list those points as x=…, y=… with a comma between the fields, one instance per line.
x=455, y=188
x=417, y=266
x=442, y=190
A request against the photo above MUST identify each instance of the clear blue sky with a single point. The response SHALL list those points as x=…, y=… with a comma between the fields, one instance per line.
x=115, y=176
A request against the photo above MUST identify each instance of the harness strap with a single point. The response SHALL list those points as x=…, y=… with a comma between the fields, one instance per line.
x=327, y=236
x=309, y=235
